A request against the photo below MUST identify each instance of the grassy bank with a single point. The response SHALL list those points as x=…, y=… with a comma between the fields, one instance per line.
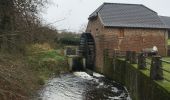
x=21, y=76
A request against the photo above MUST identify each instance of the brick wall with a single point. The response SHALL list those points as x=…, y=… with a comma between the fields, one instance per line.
x=124, y=39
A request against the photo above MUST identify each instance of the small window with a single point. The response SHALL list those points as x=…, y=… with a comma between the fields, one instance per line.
x=97, y=29
x=121, y=33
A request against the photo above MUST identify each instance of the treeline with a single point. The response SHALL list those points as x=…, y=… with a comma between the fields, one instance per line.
x=27, y=55
x=20, y=25
x=68, y=38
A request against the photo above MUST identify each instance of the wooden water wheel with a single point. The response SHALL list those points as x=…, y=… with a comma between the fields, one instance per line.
x=87, y=49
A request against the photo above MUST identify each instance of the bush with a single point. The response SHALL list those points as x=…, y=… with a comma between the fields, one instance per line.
x=69, y=38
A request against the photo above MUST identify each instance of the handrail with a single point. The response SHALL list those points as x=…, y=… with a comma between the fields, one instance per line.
x=149, y=62
x=165, y=61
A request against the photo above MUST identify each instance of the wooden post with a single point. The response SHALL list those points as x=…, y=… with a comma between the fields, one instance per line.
x=156, y=73
x=128, y=53
x=114, y=54
x=133, y=59
x=141, y=61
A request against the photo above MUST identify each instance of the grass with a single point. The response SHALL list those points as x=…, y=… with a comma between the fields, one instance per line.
x=163, y=83
x=168, y=41
x=21, y=76
x=166, y=67
x=46, y=62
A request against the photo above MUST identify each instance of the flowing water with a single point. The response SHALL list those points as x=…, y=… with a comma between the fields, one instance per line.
x=81, y=86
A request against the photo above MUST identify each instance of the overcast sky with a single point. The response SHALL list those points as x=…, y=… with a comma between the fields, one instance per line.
x=72, y=14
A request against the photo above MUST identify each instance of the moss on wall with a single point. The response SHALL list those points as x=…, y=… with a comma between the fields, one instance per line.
x=138, y=82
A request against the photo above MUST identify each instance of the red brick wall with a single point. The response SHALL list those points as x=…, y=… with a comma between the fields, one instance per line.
x=124, y=39
x=97, y=34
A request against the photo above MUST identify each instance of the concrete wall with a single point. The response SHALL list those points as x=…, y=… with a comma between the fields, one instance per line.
x=124, y=39
x=76, y=63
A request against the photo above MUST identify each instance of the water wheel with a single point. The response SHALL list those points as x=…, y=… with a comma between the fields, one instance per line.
x=87, y=49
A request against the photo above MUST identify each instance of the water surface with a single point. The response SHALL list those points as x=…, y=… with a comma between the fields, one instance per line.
x=81, y=86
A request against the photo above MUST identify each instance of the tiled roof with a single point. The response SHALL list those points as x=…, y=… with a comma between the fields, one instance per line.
x=166, y=21
x=127, y=15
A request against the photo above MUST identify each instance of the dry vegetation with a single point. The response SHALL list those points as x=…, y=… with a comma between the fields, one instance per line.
x=17, y=81
x=21, y=76
x=27, y=54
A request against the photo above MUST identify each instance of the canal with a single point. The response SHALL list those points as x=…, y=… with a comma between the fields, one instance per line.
x=81, y=86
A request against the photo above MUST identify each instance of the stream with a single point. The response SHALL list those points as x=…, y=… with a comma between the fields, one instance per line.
x=81, y=86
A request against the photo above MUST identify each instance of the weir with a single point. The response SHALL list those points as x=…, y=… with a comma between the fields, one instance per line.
x=76, y=63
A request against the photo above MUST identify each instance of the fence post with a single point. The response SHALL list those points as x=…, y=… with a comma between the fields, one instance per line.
x=128, y=53
x=133, y=59
x=141, y=61
x=114, y=54
x=156, y=73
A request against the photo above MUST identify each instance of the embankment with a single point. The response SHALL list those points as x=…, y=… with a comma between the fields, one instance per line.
x=22, y=75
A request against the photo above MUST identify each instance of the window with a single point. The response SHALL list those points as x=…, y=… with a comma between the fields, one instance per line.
x=121, y=33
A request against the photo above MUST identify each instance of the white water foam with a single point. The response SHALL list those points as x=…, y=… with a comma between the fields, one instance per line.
x=97, y=75
x=83, y=75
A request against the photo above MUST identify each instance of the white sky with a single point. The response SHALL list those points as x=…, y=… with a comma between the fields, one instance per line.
x=75, y=12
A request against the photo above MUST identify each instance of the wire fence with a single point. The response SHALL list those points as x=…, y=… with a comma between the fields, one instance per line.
x=158, y=66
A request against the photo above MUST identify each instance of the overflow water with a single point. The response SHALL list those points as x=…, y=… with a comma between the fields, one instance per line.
x=81, y=86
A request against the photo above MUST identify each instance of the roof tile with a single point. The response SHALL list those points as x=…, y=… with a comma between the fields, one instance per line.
x=128, y=15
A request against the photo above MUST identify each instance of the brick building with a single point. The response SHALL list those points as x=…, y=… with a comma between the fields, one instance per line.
x=125, y=27
x=166, y=21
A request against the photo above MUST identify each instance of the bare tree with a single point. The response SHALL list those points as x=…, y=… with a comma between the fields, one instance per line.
x=83, y=28
x=19, y=20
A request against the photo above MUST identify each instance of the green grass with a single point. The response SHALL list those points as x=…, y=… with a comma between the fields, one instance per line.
x=165, y=66
x=163, y=83
x=23, y=75
x=168, y=41
x=166, y=58
x=46, y=62
x=166, y=82
x=52, y=54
